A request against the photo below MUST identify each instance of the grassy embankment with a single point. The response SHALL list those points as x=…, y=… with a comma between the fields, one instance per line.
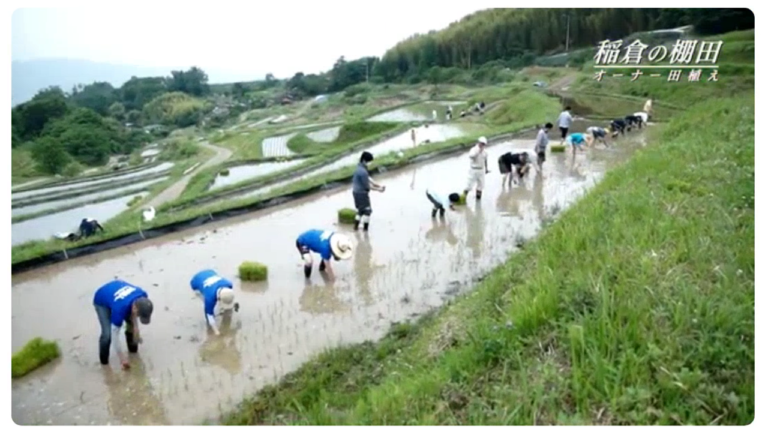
x=528, y=108
x=644, y=318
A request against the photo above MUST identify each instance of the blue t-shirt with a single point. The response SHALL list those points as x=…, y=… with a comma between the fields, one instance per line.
x=208, y=283
x=118, y=296
x=318, y=241
x=577, y=138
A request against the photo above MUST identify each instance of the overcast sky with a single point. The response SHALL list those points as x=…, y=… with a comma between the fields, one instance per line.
x=282, y=39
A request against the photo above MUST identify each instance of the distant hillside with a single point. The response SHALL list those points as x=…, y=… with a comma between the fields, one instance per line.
x=29, y=77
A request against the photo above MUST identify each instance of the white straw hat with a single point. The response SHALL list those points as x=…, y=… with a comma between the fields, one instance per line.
x=227, y=298
x=341, y=246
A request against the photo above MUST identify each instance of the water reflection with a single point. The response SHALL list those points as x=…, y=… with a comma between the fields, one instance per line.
x=132, y=399
x=364, y=266
x=222, y=350
x=321, y=298
x=475, y=228
x=441, y=231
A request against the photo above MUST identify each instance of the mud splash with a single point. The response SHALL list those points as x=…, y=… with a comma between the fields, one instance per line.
x=408, y=264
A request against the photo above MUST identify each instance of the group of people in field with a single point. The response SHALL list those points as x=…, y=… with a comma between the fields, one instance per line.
x=120, y=303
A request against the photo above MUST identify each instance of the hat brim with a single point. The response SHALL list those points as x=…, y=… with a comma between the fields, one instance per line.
x=145, y=320
x=338, y=253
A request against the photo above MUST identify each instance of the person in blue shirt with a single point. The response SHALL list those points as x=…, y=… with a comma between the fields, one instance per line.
x=119, y=302
x=213, y=289
x=576, y=140
x=326, y=243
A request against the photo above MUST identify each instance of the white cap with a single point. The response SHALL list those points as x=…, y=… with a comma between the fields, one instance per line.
x=227, y=297
x=483, y=140
x=341, y=246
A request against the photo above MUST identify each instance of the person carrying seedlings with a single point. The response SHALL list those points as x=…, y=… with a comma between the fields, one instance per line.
x=88, y=227
x=595, y=133
x=478, y=168
x=511, y=164
x=213, y=289
x=441, y=201
x=576, y=140
x=564, y=123
x=542, y=140
x=328, y=244
x=119, y=302
x=361, y=188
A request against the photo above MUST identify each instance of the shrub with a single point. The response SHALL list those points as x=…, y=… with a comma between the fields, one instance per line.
x=224, y=172
x=347, y=216
x=35, y=353
x=252, y=271
x=135, y=200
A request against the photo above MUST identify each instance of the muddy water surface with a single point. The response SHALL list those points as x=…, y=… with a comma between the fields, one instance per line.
x=44, y=227
x=245, y=172
x=408, y=264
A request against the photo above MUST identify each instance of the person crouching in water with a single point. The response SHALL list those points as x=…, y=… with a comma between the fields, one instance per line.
x=326, y=243
x=89, y=226
x=119, y=302
x=596, y=133
x=618, y=126
x=478, y=168
x=361, y=188
x=514, y=165
x=576, y=140
x=441, y=201
x=213, y=289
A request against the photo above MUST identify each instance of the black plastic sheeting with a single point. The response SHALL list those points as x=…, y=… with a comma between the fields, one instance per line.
x=75, y=252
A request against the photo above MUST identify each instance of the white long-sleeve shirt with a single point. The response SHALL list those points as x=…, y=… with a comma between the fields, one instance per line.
x=477, y=157
x=565, y=120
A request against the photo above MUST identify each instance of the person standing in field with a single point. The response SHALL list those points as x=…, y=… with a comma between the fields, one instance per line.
x=648, y=107
x=564, y=123
x=328, y=244
x=413, y=136
x=117, y=302
x=478, y=168
x=361, y=189
x=213, y=289
x=542, y=141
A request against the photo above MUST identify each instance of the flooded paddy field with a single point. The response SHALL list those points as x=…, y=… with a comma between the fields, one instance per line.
x=408, y=264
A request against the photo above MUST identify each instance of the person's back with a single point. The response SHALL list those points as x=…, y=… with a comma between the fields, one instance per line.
x=317, y=241
x=564, y=120
x=361, y=180
x=117, y=296
x=542, y=140
x=208, y=280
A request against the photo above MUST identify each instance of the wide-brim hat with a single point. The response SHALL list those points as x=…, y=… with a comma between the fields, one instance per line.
x=341, y=246
x=227, y=298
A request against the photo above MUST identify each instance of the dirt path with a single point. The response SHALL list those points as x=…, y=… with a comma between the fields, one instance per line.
x=175, y=190
x=25, y=184
x=564, y=83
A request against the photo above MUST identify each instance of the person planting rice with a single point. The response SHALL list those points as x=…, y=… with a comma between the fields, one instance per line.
x=513, y=165
x=478, y=168
x=361, y=188
x=564, y=123
x=213, y=289
x=89, y=226
x=542, y=140
x=642, y=118
x=618, y=126
x=326, y=243
x=576, y=140
x=441, y=201
x=596, y=133
x=119, y=302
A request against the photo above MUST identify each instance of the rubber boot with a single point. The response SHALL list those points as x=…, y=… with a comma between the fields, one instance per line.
x=104, y=351
x=365, y=227
x=434, y=212
x=357, y=222
x=442, y=213
x=478, y=194
x=322, y=266
x=307, y=271
x=133, y=347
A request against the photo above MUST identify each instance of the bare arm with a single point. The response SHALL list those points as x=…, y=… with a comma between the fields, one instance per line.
x=212, y=322
x=118, y=345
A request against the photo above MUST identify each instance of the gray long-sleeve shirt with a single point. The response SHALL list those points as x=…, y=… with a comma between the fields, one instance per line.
x=361, y=179
x=542, y=140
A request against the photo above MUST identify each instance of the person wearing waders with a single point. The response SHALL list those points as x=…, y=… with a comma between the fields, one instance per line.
x=442, y=200
x=214, y=289
x=564, y=123
x=119, y=302
x=328, y=244
x=542, y=141
x=88, y=227
x=361, y=188
x=478, y=168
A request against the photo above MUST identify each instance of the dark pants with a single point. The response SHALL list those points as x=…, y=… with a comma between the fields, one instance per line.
x=364, y=210
x=105, y=317
x=303, y=250
x=563, y=132
x=438, y=207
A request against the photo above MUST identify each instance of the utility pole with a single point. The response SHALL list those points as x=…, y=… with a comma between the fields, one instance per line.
x=567, y=31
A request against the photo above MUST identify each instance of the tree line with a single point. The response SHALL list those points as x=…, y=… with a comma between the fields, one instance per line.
x=94, y=121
